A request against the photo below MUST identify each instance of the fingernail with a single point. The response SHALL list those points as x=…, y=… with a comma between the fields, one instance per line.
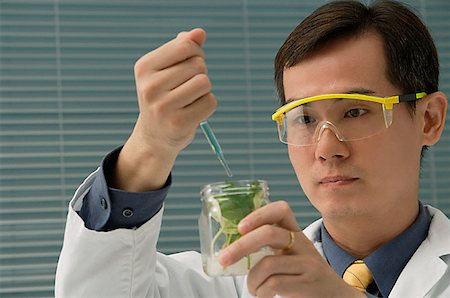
x=181, y=34
x=243, y=226
x=224, y=258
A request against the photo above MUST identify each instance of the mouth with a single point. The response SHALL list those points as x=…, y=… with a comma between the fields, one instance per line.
x=337, y=180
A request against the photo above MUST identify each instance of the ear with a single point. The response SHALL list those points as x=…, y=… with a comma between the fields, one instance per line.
x=433, y=111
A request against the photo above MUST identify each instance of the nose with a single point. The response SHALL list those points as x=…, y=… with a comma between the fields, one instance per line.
x=330, y=143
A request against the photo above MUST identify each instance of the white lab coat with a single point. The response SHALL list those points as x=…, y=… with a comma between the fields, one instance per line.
x=125, y=263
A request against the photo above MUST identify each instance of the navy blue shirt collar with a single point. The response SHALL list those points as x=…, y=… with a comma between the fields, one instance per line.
x=388, y=261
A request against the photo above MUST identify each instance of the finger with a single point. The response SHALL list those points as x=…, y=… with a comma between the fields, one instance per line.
x=267, y=235
x=182, y=34
x=275, y=213
x=172, y=77
x=197, y=35
x=184, y=121
x=282, y=285
x=273, y=265
x=190, y=91
x=170, y=53
x=200, y=110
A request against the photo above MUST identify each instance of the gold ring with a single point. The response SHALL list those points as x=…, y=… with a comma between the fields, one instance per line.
x=291, y=240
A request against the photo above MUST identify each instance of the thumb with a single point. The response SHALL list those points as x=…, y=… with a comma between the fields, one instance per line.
x=197, y=35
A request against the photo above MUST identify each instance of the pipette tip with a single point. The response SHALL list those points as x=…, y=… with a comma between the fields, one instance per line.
x=212, y=140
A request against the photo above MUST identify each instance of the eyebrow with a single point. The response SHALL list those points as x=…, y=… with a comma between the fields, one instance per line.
x=362, y=91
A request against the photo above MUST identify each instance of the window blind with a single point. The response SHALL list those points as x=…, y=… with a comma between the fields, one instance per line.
x=67, y=97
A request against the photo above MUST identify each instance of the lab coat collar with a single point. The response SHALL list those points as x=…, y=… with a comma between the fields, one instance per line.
x=427, y=265
x=312, y=232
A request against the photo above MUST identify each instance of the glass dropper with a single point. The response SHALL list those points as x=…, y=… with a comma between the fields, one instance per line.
x=212, y=140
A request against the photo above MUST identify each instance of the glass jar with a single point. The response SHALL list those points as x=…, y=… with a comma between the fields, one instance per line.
x=224, y=205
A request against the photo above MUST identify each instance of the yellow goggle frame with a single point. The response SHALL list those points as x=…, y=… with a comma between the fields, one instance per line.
x=387, y=102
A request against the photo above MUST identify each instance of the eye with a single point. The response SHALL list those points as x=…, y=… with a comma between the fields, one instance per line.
x=357, y=112
x=304, y=119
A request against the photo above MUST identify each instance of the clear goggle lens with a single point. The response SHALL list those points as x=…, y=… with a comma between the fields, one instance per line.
x=303, y=122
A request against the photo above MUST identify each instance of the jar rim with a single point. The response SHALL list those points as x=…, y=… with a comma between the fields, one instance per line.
x=239, y=185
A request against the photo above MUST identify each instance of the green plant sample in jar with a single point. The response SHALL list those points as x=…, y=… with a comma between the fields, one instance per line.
x=224, y=205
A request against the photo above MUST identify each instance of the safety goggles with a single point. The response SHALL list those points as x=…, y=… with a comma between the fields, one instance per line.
x=350, y=116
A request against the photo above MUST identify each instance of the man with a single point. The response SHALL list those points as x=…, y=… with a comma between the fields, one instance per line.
x=360, y=103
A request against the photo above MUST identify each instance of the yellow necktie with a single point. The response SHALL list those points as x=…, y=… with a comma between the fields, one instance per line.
x=358, y=275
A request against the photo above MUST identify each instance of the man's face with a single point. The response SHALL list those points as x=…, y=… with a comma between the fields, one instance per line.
x=376, y=176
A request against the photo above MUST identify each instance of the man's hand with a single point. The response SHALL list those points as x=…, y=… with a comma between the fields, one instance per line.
x=174, y=95
x=299, y=271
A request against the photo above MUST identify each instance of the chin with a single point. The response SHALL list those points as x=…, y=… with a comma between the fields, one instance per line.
x=336, y=207
x=343, y=213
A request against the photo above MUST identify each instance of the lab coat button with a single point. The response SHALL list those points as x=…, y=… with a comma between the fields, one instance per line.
x=127, y=212
x=103, y=203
